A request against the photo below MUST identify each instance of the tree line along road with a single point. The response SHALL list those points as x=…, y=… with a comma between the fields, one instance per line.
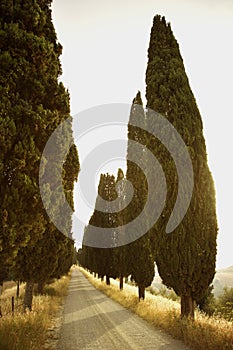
x=91, y=321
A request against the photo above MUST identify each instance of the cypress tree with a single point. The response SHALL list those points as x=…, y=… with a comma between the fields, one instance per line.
x=21, y=123
x=33, y=103
x=186, y=256
x=120, y=252
x=139, y=256
x=102, y=260
x=86, y=255
x=97, y=259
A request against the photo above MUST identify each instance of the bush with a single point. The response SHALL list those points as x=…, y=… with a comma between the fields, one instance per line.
x=225, y=304
x=207, y=303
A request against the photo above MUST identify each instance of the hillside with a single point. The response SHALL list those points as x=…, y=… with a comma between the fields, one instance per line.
x=223, y=278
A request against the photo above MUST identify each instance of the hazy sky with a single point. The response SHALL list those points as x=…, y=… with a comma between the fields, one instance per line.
x=104, y=59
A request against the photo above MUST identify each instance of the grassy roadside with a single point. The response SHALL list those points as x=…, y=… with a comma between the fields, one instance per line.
x=206, y=333
x=29, y=330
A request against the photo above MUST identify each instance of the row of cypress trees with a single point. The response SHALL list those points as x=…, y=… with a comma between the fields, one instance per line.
x=32, y=104
x=185, y=257
x=117, y=260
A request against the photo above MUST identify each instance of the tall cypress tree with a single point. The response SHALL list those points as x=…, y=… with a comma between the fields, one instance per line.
x=185, y=257
x=123, y=270
x=21, y=124
x=33, y=103
x=139, y=256
x=102, y=260
x=107, y=261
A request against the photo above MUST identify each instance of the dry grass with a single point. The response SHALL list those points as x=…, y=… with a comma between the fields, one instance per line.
x=206, y=333
x=29, y=330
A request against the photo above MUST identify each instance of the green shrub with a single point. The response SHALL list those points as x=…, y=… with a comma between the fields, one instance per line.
x=225, y=304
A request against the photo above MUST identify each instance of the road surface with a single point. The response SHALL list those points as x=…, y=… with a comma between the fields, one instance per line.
x=93, y=321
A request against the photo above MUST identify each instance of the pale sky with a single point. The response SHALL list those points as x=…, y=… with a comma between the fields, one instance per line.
x=104, y=60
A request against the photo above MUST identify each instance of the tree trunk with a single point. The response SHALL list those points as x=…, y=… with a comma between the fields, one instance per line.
x=17, y=290
x=141, y=292
x=27, y=302
x=40, y=288
x=107, y=280
x=187, y=306
x=121, y=282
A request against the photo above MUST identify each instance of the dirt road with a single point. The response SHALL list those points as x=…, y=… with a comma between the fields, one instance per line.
x=93, y=321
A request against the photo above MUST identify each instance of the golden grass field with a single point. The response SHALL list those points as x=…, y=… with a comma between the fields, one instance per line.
x=29, y=331
x=205, y=333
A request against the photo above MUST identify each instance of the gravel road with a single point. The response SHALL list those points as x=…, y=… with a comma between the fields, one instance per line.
x=93, y=321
